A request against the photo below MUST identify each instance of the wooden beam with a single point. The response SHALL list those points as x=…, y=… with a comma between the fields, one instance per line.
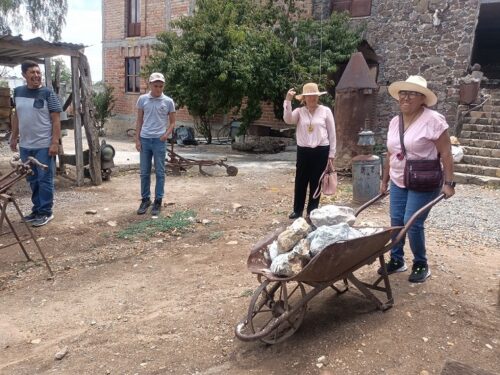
x=48, y=72
x=75, y=84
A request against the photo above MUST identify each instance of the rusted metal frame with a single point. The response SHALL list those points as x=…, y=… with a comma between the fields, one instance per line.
x=362, y=287
x=31, y=235
x=5, y=200
x=263, y=333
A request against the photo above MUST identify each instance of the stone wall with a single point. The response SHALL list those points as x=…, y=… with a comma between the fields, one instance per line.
x=410, y=37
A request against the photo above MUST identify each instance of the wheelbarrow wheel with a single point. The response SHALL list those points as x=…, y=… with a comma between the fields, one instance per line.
x=270, y=302
x=231, y=171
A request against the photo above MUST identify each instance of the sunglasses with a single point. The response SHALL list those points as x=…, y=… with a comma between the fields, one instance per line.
x=409, y=94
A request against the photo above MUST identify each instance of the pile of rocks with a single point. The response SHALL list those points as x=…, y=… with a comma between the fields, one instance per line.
x=300, y=242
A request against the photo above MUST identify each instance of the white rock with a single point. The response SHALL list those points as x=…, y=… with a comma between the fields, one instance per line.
x=232, y=243
x=489, y=346
x=328, y=235
x=112, y=223
x=61, y=354
x=236, y=206
x=206, y=221
x=321, y=359
x=36, y=341
x=331, y=215
x=425, y=339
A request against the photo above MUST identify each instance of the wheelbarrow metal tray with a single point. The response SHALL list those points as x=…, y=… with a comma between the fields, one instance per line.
x=332, y=263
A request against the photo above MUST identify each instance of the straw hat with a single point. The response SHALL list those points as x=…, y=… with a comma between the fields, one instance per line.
x=310, y=89
x=413, y=83
x=454, y=141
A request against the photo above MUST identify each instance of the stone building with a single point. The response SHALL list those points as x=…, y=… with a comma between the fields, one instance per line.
x=438, y=39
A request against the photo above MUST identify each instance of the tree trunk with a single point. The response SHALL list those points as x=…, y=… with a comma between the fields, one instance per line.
x=89, y=121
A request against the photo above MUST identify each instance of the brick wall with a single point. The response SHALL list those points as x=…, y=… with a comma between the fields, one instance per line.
x=156, y=16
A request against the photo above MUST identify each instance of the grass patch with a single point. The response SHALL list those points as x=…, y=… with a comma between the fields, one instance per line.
x=215, y=235
x=178, y=220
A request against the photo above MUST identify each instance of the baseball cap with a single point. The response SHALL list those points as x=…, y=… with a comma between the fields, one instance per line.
x=156, y=77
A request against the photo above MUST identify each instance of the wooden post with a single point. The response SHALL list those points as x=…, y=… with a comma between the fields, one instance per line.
x=89, y=121
x=48, y=75
x=75, y=84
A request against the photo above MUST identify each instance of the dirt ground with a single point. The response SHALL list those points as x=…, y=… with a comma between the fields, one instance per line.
x=168, y=303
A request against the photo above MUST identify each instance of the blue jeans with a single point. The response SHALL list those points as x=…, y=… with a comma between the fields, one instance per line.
x=152, y=149
x=403, y=204
x=41, y=182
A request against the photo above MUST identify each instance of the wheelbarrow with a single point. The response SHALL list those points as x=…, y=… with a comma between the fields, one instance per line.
x=279, y=304
x=176, y=164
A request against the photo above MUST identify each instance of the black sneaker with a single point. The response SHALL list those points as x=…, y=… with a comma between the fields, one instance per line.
x=29, y=218
x=294, y=215
x=419, y=273
x=393, y=266
x=146, y=202
x=155, y=211
x=41, y=220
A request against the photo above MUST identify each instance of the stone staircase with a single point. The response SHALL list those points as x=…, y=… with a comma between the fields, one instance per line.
x=480, y=138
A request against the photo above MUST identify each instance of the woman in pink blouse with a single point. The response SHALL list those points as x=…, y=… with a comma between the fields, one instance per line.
x=425, y=137
x=316, y=143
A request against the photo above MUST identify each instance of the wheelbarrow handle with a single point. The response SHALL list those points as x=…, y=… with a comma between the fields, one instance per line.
x=415, y=216
x=370, y=202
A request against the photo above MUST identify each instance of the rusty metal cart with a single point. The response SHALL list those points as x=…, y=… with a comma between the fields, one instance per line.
x=176, y=164
x=20, y=171
x=279, y=304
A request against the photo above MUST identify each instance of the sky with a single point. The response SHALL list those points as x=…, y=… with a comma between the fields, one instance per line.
x=83, y=26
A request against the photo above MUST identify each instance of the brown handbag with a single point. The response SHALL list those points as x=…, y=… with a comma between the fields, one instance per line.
x=423, y=174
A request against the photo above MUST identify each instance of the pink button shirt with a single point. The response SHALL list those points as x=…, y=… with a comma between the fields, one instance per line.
x=312, y=130
x=419, y=141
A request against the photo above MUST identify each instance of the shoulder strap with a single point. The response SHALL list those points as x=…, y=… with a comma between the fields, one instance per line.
x=401, y=134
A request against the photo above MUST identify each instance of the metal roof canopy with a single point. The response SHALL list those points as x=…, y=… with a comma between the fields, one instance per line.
x=14, y=50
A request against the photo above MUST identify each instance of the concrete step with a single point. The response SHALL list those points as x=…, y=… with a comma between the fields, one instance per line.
x=483, y=143
x=481, y=120
x=478, y=170
x=464, y=178
x=488, y=107
x=480, y=135
x=481, y=160
x=478, y=151
x=484, y=114
x=481, y=128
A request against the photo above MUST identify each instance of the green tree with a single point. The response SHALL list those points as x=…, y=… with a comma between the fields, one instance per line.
x=104, y=102
x=45, y=16
x=232, y=50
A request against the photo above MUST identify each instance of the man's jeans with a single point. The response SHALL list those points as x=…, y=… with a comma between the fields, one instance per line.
x=41, y=182
x=152, y=149
x=404, y=203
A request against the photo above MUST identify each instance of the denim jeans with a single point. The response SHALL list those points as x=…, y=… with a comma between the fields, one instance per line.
x=403, y=204
x=152, y=149
x=41, y=182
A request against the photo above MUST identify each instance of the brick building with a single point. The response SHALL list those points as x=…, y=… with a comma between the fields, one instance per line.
x=435, y=38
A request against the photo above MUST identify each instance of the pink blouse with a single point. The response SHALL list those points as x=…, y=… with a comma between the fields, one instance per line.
x=312, y=130
x=419, y=141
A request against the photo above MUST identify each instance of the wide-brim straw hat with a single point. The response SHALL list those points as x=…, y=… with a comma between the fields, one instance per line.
x=413, y=83
x=310, y=89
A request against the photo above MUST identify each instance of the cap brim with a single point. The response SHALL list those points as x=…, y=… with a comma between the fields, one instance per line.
x=396, y=87
x=299, y=97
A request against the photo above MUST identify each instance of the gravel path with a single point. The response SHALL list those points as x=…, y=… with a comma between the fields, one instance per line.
x=472, y=216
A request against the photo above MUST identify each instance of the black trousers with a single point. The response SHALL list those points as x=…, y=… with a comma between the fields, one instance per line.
x=311, y=162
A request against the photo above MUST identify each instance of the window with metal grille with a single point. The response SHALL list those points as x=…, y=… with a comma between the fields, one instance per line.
x=132, y=74
x=133, y=17
x=357, y=8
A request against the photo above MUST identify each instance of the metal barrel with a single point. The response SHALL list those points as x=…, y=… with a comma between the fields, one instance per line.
x=365, y=177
